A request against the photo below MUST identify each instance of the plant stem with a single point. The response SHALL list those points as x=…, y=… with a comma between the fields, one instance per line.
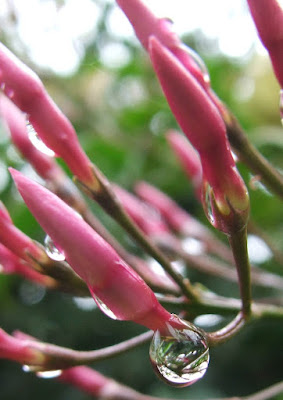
x=250, y=156
x=238, y=243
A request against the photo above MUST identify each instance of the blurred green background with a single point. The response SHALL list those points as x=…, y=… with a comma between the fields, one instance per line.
x=114, y=101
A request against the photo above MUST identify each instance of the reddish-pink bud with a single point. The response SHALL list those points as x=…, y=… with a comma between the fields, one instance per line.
x=15, y=240
x=201, y=122
x=86, y=379
x=177, y=218
x=18, y=350
x=268, y=18
x=146, y=24
x=188, y=157
x=146, y=217
x=108, y=277
x=26, y=90
x=12, y=264
x=44, y=165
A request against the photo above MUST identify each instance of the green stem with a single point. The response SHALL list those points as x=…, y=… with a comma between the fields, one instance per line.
x=250, y=156
x=238, y=243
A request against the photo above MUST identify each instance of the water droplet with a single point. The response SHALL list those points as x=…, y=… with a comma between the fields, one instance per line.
x=199, y=63
x=103, y=307
x=37, y=142
x=180, y=358
x=281, y=105
x=207, y=191
x=49, y=374
x=52, y=251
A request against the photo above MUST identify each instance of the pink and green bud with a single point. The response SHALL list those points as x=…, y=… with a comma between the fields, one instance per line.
x=12, y=264
x=19, y=350
x=201, y=122
x=110, y=280
x=16, y=241
x=188, y=158
x=268, y=18
x=26, y=90
x=43, y=164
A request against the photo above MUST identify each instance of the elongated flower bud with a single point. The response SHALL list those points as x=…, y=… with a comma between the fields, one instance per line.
x=201, y=122
x=15, y=349
x=188, y=157
x=44, y=165
x=15, y=240
x=146, y=217
x=177, y=218
x=11, y=264
x=108, y=277
x=146, y=24
x=268, y=18
x=26, y=90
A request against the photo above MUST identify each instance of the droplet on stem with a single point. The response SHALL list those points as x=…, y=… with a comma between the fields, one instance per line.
x=52, y=251
x=37, y=142
x=207, y=192
x=180, y=358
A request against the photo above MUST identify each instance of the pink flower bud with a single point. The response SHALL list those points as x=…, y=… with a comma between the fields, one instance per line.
x=86, y=379
x=12, y=264
x=188, y=157
x=108, y=277
x=15, y=240
x=15, y=349
x=44, y=165
x=177, y=218
x=146, y=217
x=146, y=24
x=25, y=89
x=268, y=18
x=201, y=122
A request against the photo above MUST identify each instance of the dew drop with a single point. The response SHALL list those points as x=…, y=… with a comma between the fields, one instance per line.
x=49, y=374
x=207, y=203
x=199, y=63
x=27, y=368
x=180, y=358
x=37, y=142
x=102, y=306
x=52, y=251
x=281, y=105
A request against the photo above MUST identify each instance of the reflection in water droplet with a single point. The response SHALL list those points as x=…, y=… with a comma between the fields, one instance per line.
x=52, y=251
x=49, y=374
x=281, y=105
x=181, y=358
x=199, y=62
x=37, y=142
x=207, y=203
x=103, y=307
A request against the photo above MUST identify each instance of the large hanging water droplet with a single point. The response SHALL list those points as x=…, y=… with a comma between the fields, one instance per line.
x=52, y=251
x=281, y=105
x=37, y=142
x=49, y=374
x=180, y=358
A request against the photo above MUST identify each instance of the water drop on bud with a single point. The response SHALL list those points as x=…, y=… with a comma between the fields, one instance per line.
x=37, y=142
x=281, y=105
x=181, y=357
x=49, y=374
x=52, y=251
